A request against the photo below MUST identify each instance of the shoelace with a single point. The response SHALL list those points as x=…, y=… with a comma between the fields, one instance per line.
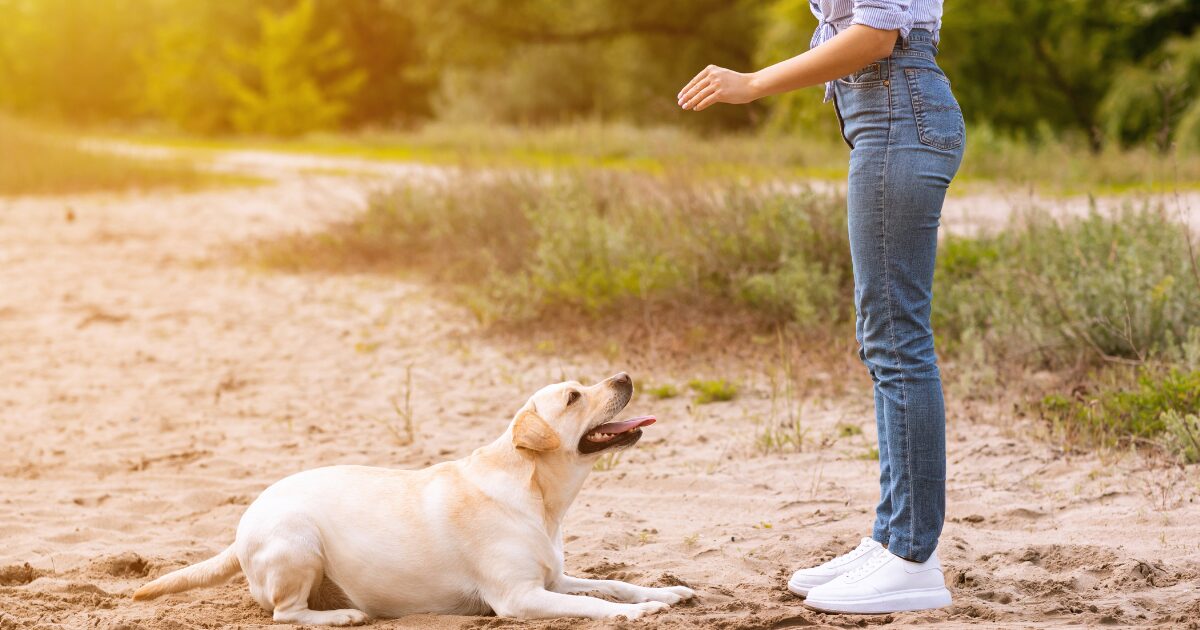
x=874, y=562
x=863, y=547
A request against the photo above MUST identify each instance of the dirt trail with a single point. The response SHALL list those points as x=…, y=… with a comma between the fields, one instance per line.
x=153, y=386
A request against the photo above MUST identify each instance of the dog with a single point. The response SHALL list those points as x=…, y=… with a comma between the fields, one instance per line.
x=478, y=535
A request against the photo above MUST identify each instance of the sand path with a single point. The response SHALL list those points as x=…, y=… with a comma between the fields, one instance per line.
x=152, y=386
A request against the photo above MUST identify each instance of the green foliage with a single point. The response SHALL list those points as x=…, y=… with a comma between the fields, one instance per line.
x=1158, y=403
x=662, y=392
x=185, y=70
x=1045, y=293
x=1155, y=101
x=1017, y=65
x=1076, y=70
x=787, y=26
x=1091, y=290
x=607, y=59
x=1182, y=435
x=522, y=246
x=52, y=164
x=64, y=58
x=280, y=92
x=710, y=391
x=273, y=65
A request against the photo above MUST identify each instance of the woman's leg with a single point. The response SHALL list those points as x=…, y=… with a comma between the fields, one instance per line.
x=897, y=185
x=894, y=214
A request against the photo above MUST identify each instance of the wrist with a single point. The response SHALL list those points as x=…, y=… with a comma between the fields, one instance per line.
x=757, y=85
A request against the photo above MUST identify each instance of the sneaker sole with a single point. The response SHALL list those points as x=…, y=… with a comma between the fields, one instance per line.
x=801, y=590
x=904, y=601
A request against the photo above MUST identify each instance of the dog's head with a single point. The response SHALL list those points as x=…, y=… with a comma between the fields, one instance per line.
x=572, y=419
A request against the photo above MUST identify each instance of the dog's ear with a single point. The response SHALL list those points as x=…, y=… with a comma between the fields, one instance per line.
x=531, y=432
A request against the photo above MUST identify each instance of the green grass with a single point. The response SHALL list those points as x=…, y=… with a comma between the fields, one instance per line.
x=39, y=162
x=1053, y=168
x=662, y=392
x=711, y=391
x=582, y=145
x=1158, y=406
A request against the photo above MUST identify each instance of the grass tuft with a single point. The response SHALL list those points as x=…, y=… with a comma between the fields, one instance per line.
x=663, y=392
x=1158, y=405
x=782, y=438
x=712, y=391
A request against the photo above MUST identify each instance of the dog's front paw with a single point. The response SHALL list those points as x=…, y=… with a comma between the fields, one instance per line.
x=670, y=594
x=682, y=592
x=348, y=617
x=634, y=611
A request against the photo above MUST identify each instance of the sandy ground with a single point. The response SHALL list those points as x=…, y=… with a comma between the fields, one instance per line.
x=152, y=386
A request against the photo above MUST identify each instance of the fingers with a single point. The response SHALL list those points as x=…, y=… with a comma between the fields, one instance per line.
x=691, y=93
x=709, y=94
x=703, y=105
x=696, y=79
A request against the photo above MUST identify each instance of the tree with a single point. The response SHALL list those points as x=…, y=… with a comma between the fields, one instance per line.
x=291, y=80
x=547, y=60
x=1155, y=101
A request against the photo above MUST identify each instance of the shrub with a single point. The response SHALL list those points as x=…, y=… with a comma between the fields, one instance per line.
x=1085, y=291
x=520, y=245
x=1158, y=404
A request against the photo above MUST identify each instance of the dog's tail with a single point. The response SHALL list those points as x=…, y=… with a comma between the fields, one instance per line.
x=212, y=571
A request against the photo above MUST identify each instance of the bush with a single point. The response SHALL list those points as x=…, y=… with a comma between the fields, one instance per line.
x=1080, y=292
x=1157, y=405
x=521, y=245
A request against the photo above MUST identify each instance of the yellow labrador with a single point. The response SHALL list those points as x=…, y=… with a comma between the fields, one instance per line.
x=477, y=535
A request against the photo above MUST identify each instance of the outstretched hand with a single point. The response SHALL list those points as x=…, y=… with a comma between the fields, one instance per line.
x=715, y=84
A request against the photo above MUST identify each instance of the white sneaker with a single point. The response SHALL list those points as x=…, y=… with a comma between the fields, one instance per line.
x=806, y=579
x=885, y=583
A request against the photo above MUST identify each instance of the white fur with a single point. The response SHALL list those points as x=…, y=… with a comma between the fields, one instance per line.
x=479, y=534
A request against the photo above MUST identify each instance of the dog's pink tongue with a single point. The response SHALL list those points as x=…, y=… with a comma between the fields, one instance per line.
x=626, y=425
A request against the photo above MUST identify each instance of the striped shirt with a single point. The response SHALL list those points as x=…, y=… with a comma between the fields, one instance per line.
x=834, y=16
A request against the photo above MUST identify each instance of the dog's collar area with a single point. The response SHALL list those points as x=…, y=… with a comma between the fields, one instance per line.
x=614, y=434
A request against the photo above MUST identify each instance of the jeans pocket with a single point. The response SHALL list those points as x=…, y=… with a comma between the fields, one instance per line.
x=939, y=119
x=869, y=75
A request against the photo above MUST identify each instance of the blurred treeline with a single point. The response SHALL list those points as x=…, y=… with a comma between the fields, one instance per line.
x=1096, y=72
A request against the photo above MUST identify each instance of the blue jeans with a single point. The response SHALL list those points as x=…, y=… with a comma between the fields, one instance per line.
x=906, y=135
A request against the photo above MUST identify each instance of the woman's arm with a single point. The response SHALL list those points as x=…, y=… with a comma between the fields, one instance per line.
x=844, y=53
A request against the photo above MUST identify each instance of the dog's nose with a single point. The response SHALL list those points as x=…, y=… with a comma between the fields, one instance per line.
x=622, y=380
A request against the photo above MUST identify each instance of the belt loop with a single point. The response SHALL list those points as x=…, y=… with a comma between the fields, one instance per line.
x=905, y=43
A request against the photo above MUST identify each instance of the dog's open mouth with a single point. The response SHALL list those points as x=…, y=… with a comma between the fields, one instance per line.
x=614, y=434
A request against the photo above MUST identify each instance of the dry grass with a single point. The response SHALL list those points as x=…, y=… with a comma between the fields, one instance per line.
x=38, y=162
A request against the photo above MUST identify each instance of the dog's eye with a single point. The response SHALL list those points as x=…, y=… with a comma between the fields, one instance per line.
x=572, y=396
